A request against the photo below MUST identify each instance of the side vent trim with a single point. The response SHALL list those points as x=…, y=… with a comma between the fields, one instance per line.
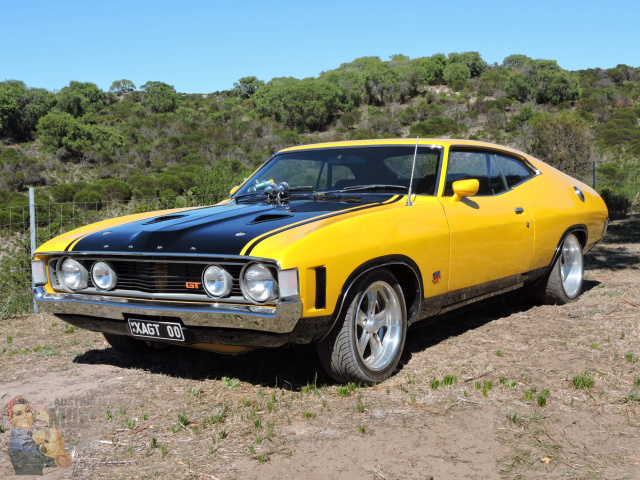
x=321, y=288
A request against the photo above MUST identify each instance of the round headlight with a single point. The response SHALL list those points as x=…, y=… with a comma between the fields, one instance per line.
x=104, y=278
x=217, y=281
x=72, y=274
x=258, y=283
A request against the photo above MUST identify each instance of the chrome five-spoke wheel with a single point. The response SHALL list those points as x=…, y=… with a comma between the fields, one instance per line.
x=378, y=325
x=571, y=266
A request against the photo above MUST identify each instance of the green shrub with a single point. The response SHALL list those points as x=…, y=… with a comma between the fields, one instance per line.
x=617, y=203
x=434, y=127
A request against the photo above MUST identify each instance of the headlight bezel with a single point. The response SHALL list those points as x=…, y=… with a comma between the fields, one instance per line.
x=228, y=284
x=246, y=287
x=113, y=277
x=62, y=279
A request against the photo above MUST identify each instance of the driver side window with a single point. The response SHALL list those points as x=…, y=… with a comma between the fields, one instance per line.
x=482, y=166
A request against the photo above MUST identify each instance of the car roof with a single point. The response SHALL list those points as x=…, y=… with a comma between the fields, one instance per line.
x=445, y=142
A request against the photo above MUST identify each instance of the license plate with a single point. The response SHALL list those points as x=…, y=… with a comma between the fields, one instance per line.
x=152, y=329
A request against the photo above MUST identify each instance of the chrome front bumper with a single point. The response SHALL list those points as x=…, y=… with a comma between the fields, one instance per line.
x=281, y=318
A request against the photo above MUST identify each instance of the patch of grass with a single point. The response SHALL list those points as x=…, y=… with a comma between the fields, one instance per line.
x=594, y=345
x=583, y=381
x=630, y=358
x=631, y=398
x=528, y=394
x=636, y=381
x=434, y=384
x=163, y=450
x=2, y=428
x=622, y=336
x=486, y=386
x=223, y=434
x=513, y=417
x=312, y=387
x=360, y=405
x=499, y=353
x=69, y=329
x=361, y=429
x=257, y=424
x=9, y=339
x=230, y=383
x=183, y=419
x=347, y=390
x=542, y=398
x=449, y=380
x=195, y=391
x=308, y=415
x=262, y=459
x=220, y=416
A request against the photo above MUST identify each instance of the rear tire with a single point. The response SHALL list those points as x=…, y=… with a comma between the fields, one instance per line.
x=563, y=283
x=366, y=343
x=127, y=345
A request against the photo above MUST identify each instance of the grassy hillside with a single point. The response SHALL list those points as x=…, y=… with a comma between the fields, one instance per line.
x=84, y=144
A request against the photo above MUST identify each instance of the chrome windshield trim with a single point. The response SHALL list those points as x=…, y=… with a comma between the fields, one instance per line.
x=279, y=318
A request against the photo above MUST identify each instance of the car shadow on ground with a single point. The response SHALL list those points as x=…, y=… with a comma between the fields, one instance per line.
x=423, y=336
x=297, y=366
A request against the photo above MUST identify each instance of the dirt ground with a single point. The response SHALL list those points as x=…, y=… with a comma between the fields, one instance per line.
x=503, y=391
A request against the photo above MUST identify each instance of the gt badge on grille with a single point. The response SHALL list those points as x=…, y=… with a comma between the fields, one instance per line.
x=193, y=284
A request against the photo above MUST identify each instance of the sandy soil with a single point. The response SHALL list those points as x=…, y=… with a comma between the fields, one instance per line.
x=515, y=407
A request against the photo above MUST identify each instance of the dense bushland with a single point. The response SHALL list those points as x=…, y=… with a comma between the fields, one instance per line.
x=82, y=144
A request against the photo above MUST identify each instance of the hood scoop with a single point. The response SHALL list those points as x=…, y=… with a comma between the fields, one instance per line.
x=163, y=218
x=269, y=217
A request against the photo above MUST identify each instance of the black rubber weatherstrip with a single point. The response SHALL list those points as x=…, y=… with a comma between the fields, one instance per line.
x=342, y=212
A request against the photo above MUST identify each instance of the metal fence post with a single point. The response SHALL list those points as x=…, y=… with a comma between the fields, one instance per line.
x=32, y=228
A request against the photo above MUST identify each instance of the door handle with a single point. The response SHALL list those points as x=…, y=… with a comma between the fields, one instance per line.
x=519, y=210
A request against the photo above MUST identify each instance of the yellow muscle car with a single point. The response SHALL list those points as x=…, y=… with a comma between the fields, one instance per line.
x=343, y=244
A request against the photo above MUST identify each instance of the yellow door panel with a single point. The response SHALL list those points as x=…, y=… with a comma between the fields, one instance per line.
x=491, y=238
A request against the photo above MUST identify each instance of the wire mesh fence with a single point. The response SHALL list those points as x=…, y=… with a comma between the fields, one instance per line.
x=52, y=219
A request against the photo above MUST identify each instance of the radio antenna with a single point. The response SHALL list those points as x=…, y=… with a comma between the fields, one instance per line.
x=413, y=168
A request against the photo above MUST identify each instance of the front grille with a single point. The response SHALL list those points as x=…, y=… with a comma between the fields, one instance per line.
x=181, y=277
x=164, y=277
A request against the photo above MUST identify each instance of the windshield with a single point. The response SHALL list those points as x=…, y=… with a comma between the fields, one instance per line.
x=374, y=168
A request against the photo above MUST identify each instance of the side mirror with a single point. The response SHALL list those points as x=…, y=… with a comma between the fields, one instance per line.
x=465, y=188
x=234, y=190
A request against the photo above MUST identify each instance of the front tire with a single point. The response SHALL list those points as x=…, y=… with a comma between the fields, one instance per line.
x=367, y=341
x=127, y=345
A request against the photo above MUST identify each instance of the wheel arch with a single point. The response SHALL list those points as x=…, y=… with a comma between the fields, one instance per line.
x=403, y=268
x=580, y=231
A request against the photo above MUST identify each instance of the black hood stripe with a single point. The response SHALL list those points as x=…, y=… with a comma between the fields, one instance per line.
x=251, y=245
x=216, y=230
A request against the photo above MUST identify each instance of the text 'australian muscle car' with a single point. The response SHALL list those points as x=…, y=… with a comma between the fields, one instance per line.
x=342, y=244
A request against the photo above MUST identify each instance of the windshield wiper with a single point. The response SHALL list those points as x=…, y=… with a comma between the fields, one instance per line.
x=374, y=187
x=246, y=195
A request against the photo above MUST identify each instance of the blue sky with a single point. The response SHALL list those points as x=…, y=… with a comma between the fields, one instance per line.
x=202, y=46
